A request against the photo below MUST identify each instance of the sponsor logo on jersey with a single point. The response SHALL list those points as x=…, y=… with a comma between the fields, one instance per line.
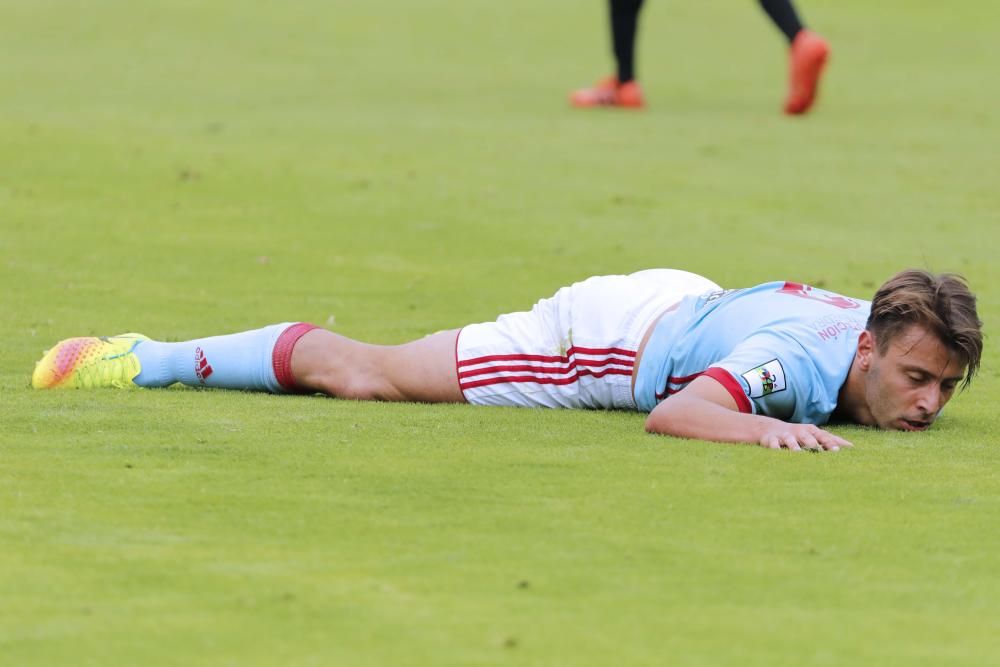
x=765, y=379
x=829, y=327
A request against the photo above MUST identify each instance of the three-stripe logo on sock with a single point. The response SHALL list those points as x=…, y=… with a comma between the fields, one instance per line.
x=201, y=366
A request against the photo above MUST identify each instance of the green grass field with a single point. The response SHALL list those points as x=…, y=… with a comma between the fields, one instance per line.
x=392, y=168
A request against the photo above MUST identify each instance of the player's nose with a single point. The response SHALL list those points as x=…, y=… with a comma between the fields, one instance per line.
x=930, y=401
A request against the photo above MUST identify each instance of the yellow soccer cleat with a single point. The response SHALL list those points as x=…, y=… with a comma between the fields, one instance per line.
x=85, y=363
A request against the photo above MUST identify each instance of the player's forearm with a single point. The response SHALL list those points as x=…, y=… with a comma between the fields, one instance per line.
x=703, y=420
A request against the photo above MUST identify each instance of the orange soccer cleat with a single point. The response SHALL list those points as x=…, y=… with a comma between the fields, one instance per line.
x=806, y=60
x=609, y=93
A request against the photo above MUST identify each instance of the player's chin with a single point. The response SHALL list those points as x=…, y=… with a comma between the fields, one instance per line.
x=903, y=424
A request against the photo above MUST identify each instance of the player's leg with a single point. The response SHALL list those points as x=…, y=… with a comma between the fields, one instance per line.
x=807, y=56
x=421, y=371
x=621, y=90
x=246, y=360
x=279, y=358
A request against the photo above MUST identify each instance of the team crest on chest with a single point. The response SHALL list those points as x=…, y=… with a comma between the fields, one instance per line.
x=765, y=379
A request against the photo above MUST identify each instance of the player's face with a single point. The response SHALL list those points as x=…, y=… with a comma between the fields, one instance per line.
x=907, y=386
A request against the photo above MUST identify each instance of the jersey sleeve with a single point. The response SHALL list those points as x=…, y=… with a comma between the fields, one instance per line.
x=768, y=375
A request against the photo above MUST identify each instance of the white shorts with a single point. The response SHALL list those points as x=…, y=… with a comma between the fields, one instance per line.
x=576, y=349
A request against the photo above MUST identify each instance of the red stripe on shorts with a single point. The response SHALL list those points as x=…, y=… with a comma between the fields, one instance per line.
x=685, y=379
x=593, y=351
x=721, y=376
x=532, y=379
x=569, y=364
x=554, y=370
x=670, y=391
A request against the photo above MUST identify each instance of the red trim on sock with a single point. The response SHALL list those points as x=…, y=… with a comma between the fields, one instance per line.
x=281, y=357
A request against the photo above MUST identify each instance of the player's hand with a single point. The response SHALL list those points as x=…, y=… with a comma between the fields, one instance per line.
x=797, y=437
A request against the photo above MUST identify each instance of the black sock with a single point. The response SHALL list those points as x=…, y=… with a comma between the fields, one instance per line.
x=624, y=24
x=783, y=14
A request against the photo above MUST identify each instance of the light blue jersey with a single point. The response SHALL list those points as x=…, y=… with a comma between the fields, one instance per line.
x=781, y=349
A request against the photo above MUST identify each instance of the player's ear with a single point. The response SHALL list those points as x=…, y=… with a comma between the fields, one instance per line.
x=866, y=348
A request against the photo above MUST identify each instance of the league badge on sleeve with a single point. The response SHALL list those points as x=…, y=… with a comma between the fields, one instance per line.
x=765, y=379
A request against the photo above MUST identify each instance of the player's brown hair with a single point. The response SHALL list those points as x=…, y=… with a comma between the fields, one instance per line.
x=941, y=303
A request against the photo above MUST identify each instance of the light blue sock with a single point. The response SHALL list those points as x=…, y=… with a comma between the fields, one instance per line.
x=237, y=361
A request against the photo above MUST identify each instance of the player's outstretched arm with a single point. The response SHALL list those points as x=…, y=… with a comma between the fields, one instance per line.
x=704, y=410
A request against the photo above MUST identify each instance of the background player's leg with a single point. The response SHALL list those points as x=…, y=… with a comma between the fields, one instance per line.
x=422, y=370
x=807, y=56
x=621, y=90
x=784, y=16
x=624, y=26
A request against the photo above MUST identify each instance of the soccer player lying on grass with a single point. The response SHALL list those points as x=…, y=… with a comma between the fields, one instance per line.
x=764, y=365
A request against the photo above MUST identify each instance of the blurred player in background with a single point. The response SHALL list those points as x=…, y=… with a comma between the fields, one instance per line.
x=807, y=55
